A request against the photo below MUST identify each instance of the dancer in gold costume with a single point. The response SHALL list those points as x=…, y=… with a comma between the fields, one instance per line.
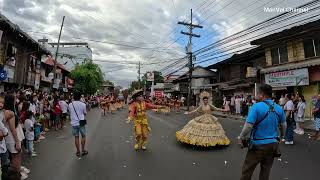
x=204, y=130
x=137, y=114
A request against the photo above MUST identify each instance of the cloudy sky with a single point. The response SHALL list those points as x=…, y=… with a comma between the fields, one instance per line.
x=123, y=32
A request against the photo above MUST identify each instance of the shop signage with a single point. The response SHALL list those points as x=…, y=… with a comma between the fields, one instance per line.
x=298, y=77
x=37, y=82
x=158, y=93
x=10, y=71
x=251, y=72
x=150, y=76
x=3, y=75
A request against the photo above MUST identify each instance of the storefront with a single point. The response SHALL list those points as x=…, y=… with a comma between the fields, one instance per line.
x=304, y=81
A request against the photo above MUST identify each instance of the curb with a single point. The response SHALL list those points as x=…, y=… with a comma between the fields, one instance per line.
x=312, y=129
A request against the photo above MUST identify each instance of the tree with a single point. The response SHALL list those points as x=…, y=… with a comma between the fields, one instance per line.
x=134, y=85
x=88, y=78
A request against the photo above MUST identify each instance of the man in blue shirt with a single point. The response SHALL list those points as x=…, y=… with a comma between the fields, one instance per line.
x=262, y=125
x=316, y=113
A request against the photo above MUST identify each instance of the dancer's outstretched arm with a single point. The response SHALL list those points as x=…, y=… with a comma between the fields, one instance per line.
x=196, y=110
x=216, y=109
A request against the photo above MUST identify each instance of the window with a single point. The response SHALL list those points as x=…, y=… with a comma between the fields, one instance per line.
x=11, y=55
x=279, y=55
x=311, y=47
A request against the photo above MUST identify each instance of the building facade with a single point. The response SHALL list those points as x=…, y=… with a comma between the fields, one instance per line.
x=20, y=57
x=70, y=54
x=239, y=74
x=293, y=61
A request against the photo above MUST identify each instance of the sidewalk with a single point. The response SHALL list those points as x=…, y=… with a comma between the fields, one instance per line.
x=309, y=124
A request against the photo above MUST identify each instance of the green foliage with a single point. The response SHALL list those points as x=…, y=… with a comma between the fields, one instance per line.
x=158, y=78
x=88, y=78
x=134, y=85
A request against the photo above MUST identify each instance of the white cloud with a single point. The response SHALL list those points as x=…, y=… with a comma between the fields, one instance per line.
x=144, y=23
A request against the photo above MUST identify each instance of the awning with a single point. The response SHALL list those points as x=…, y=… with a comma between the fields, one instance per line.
x=292, y=65
x=279, y=88
x=242, y=85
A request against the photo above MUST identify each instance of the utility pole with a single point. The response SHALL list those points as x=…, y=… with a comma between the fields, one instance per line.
x=56, y=56
x=139, y=74
x=189, y=49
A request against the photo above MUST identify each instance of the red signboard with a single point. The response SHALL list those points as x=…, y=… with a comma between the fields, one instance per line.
x=158, y=93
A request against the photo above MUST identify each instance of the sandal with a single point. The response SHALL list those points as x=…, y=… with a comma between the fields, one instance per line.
x=84, y=153
x=78, y=154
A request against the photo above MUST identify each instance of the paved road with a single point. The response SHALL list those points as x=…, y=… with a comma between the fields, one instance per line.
x=111, y=155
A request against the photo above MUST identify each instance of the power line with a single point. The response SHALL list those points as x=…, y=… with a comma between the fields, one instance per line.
x=222, y=41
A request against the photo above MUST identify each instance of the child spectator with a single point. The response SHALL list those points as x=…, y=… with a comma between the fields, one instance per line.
x=57, y=113
x=46, y=113
x=64, y=107
x=29, y=126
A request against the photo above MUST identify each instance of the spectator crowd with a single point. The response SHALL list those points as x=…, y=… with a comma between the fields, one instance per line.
x=25, y=117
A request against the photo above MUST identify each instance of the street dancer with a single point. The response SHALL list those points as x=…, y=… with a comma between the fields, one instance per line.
x=137, y=113
x=204, y=130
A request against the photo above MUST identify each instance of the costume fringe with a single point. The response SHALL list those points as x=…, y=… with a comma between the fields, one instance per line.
x=204, y=131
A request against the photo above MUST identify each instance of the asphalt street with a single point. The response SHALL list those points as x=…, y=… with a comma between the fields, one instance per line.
x=112, y=157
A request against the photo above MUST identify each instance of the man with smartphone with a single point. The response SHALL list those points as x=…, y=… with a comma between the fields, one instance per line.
x=261, y=126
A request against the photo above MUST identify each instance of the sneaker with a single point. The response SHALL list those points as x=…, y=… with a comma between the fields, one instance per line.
x=283, y=140
x=136, y=146
x=23, y=175
x=301, y=132
x=296, y=131
x=25, y=170
x=34, y=154
x=41, y=137
x=289, y=143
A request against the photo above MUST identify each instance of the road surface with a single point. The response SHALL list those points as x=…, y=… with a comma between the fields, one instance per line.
x=111, y=155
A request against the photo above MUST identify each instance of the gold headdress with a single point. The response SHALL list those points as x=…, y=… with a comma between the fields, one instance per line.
x=137, y=93
x=204, y=94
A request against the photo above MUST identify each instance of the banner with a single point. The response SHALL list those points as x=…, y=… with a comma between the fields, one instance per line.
x=299, y=77
x=150, y=76
x=1, y=32
x=158, y=93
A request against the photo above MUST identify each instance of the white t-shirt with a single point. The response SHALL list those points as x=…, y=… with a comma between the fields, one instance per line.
x=282, y=101
x=289, y=106
x=64, y=106
x=28, y=125
x=301, y=109
x=81, y=110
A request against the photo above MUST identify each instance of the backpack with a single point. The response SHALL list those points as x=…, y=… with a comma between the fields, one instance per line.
x=271, y=110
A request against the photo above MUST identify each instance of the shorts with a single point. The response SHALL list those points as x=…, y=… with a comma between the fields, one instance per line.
x=300, y=119
x=64, y=116
x=76, y=130
x=11, y=148
x=4, y=157
x=317, y=124
x=57, y=118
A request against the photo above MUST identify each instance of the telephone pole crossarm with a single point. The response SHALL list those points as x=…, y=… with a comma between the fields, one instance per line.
x=194, y=35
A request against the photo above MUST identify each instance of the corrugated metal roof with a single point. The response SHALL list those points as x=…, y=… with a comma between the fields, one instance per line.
x=292, y=65
x=15, y=27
